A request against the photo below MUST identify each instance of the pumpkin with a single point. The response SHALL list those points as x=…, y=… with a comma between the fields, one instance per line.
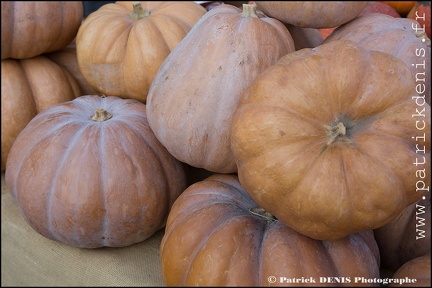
x=90, y=173
x=305, y=37
x=421, y=13
x=396, y=36
x=30, y=28
x=418, y=269
x=216, y=235
x=402, y=7
x=327, y=147
x=371, y=7
x=197, y=88
x=407, y=236
x=121, y=45
x=29, y=86
x=67, y=59
x=380, y=7
x=312, y=14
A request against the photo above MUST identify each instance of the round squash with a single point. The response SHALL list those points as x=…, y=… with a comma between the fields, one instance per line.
x=197, y=89
x=90, y=173
x=67, y=59
x=327, y=147
x=418, y=269
x=121, y=45
x=29, y=86
x=407, y=236
x=400, y=37
x=312, y=14
x=30, y=28
x=216, y=235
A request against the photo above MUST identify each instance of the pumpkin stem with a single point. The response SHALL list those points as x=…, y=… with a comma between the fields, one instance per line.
x=423, y=37
x=263, y=213
x=249, y=10
x=333, y=132
x=101, y=115
x=138, y=12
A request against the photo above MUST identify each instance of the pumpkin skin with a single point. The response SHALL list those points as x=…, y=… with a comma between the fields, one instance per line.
x=119, y=54
x=421, y=12
x=305, y=37
x=29, y=86
x=215, y=236
x=418, y=268
x=328, y=147
x=312, y=14
x=30, y=28
x=67, y=59
x=400, y=40
x=220, y=57
x=402, y=7
x=91, y=183
x=407, y=236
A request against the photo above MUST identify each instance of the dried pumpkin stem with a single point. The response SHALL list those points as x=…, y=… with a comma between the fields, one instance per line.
x=423, y=37
x=262, y=213
x=101, y=115
x=335, y=131
x=138, y=12
x=249, y=10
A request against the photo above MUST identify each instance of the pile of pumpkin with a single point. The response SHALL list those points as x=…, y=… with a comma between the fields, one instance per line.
x=268, y=154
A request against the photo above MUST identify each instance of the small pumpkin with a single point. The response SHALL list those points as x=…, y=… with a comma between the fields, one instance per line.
x=30, y=28
x=417, y=269
x=216, y=235
x=407, y=236
x=312, y=14
x=121, y=45
x=396, y=36
x=328, y=147
x=29, y=86
x=197, y=88
x=90, y=173
x=421, y=13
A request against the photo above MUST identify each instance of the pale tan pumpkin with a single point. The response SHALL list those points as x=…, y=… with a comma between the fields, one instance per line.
x=29, y=86
x=30, y=28
x=325, y=139
x=312, y=14
x=121, y=45
x=90, y=173
x=400, y=37
x=197, y=89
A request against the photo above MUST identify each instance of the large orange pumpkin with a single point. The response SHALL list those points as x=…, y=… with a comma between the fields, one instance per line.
x=30, y=28
x=216, y=235
x=121, y=45
x=197, y=89
x=400, y=37
x=90, y=173
x=312, y=14
x=326, y=138
x=29, y=86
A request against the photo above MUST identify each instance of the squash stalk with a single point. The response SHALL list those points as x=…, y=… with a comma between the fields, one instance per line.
x=249, y=10
x=138, y=12
x=101, y=115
